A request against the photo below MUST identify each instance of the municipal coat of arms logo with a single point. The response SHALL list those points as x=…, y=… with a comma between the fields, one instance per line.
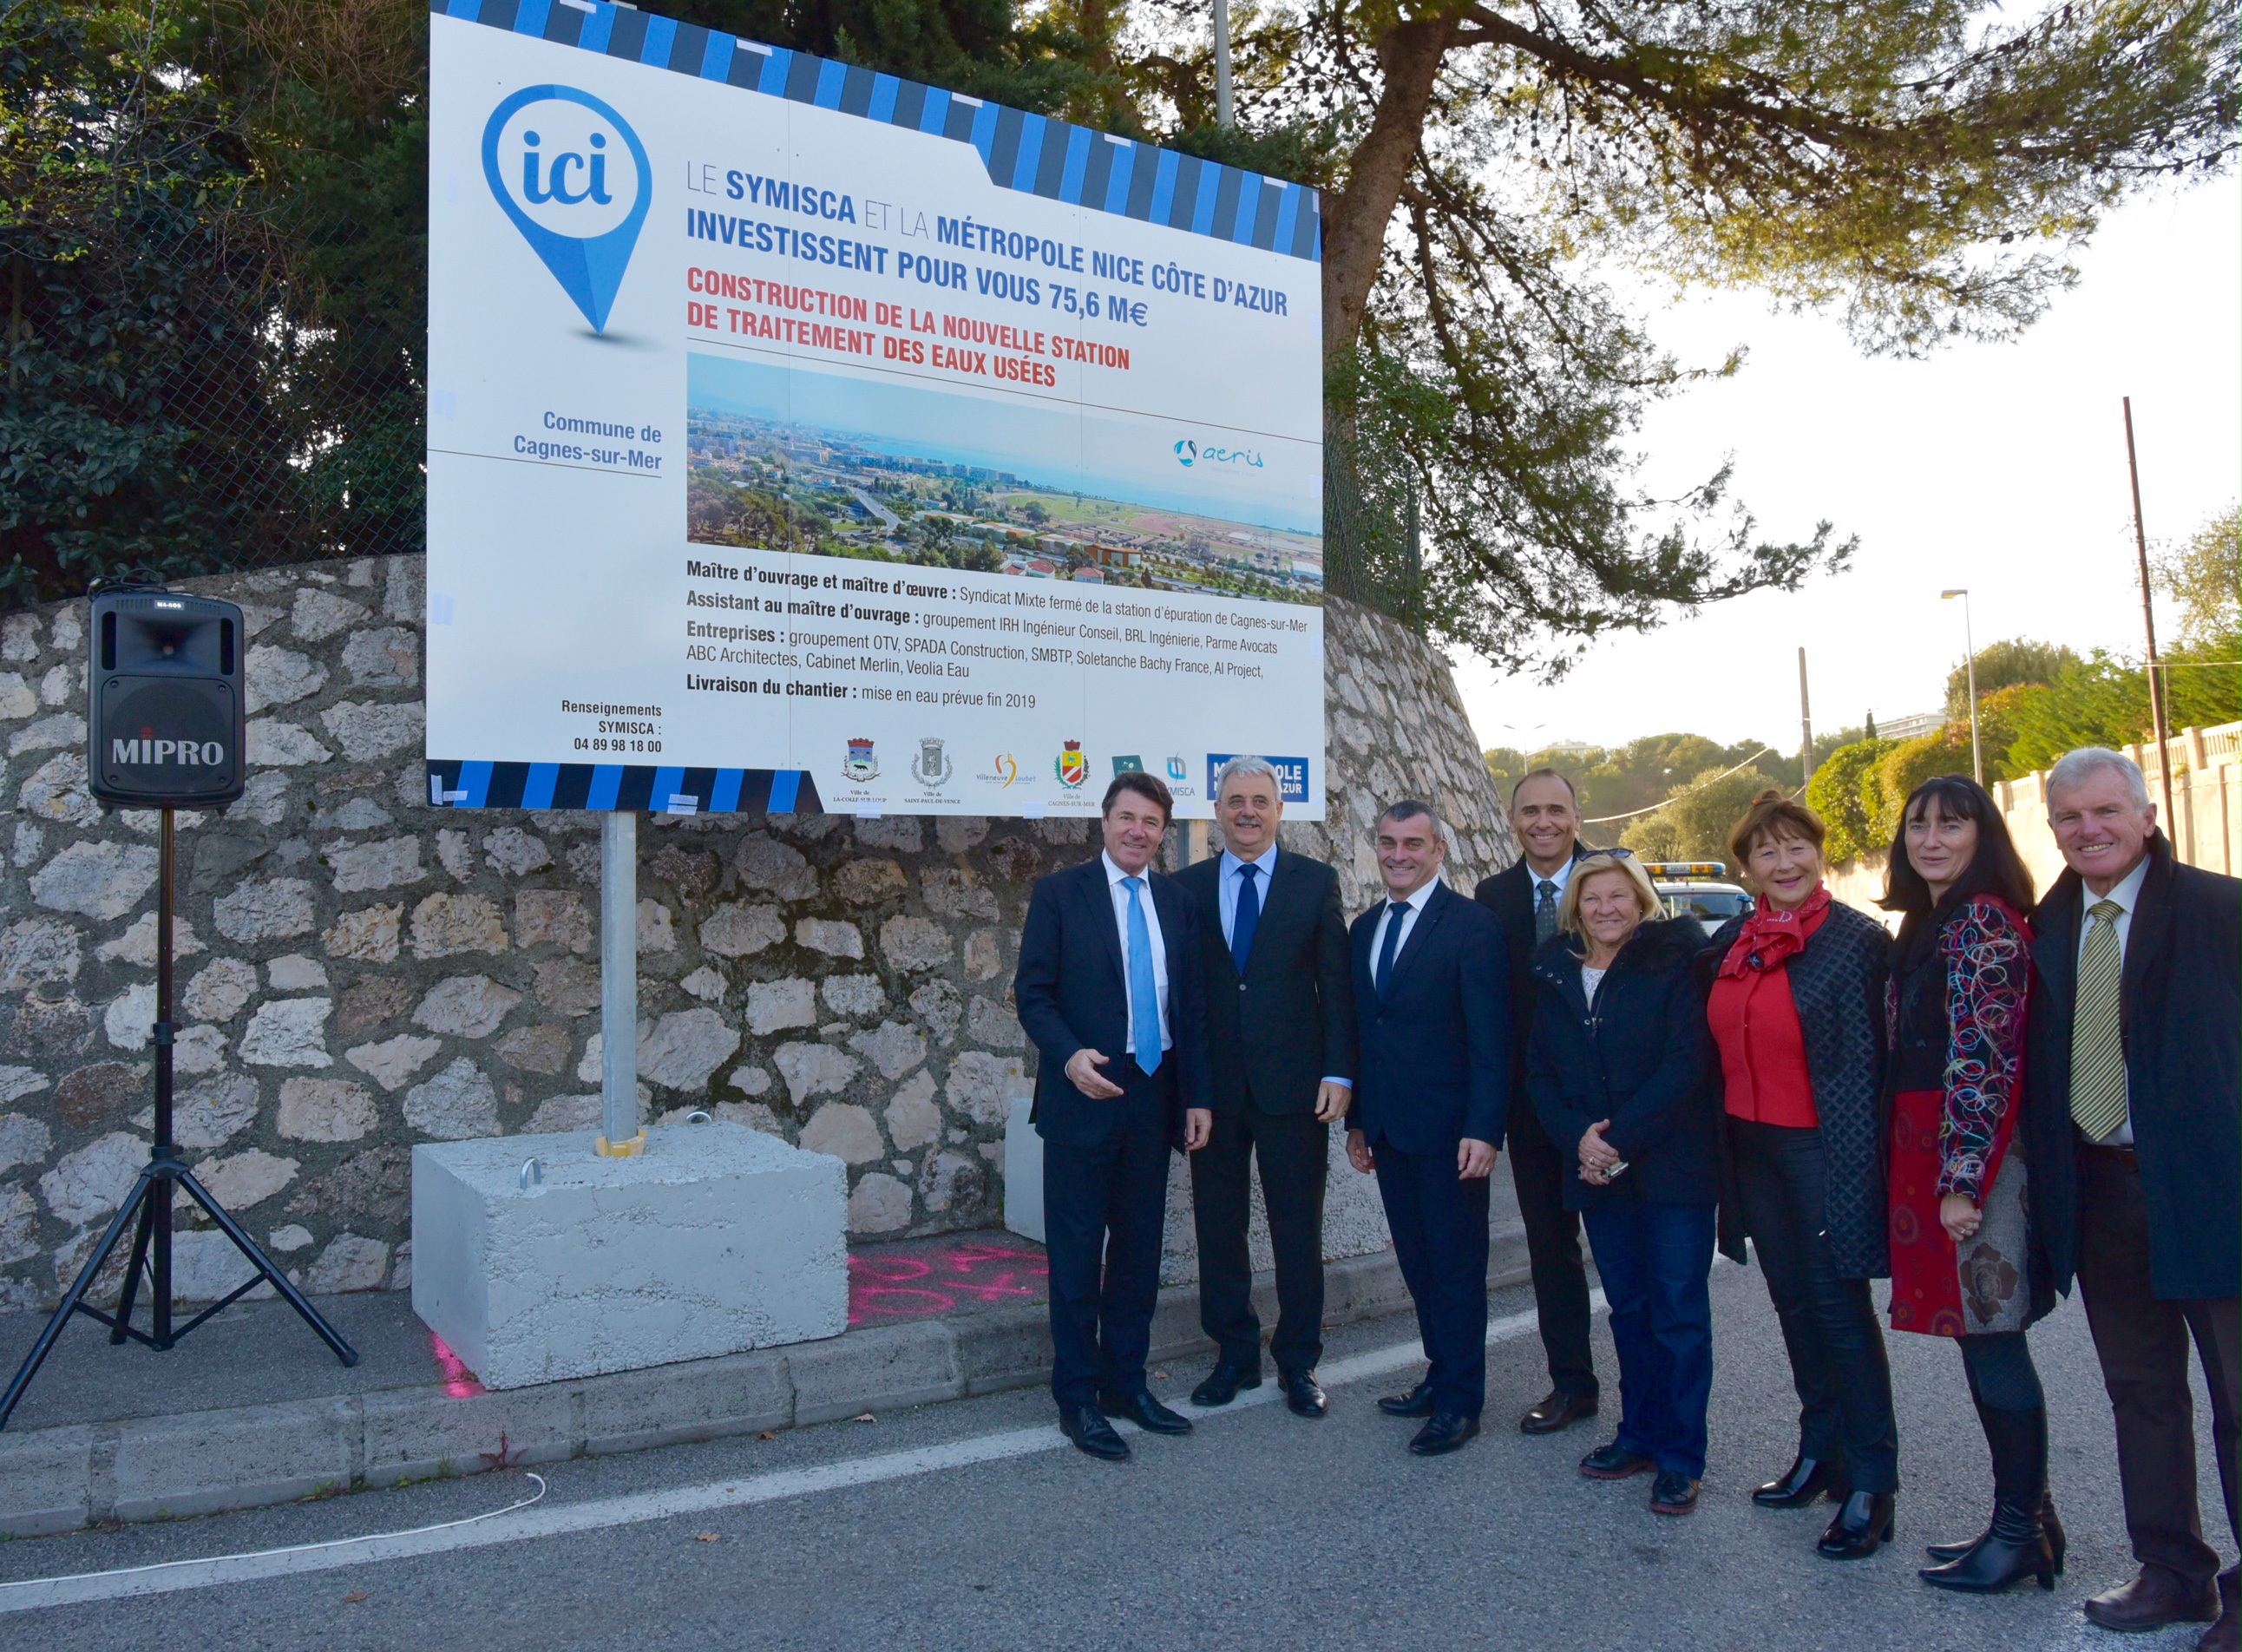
x=1073, y=767
x=931, y=767
x=862, y=765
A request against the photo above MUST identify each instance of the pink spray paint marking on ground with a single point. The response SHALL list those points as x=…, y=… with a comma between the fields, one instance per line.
x=459, y=1382
x=918, y=1286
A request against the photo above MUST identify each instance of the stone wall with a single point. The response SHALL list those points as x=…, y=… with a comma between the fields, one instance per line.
x=358, y=971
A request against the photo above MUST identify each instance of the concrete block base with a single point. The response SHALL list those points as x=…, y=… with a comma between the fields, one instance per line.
x=717, y=1240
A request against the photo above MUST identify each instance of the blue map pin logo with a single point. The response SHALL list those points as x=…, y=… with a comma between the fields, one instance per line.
x=554, y=175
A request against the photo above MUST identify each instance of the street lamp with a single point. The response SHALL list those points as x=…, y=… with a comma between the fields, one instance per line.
x=1222, y=100
x=1976, y=751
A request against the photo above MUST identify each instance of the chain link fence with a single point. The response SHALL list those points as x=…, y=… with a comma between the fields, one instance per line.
x=1373, y=538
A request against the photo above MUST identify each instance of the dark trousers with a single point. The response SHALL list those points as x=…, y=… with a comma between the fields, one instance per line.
x=1654, y=1260
x=1438, y=1224
x=1829, y=1323
x=2143, y=1344
x=1293, y=1149
x=1104, y=1207
x=1553, y=1247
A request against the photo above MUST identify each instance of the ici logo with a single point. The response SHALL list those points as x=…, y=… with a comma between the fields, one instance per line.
x=572, y=177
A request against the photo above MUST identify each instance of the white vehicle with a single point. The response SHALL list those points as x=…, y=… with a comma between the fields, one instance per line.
x=1698, y=889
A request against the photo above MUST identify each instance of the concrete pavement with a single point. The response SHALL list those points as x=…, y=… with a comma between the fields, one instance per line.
x=1261, y=1530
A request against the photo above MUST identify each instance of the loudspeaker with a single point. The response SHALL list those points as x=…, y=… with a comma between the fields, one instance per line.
x=164, y=723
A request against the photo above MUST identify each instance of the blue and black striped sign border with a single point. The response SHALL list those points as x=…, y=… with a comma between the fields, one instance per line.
x=609, y=787
x=1031, y=153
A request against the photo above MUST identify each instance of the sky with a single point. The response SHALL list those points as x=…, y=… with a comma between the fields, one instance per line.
x=2000, y=468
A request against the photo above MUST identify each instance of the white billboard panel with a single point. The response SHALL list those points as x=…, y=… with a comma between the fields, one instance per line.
x=800, y=437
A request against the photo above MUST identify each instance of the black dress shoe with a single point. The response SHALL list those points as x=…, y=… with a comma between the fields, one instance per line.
x=1417, y=1402
x=2016, y=1548
x=1443, y=1432
x=1802, y=1482
x=2151, y=1600
x=1303, y=1396
x=1554, y=1411
x=2057, y=1543
x=1863, y=1522
x=1615, y=1461
x=1087, y=1427
x=1673, y=1492
x=1145, y=1411
x=1223, y=1383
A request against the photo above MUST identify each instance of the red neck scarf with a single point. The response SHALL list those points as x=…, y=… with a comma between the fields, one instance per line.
x=1769, y=937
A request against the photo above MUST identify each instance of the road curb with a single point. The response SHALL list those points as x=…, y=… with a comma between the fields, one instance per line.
x=199, y=1463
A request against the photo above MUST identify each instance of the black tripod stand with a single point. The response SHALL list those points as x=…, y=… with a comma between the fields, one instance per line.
x=151, y=1201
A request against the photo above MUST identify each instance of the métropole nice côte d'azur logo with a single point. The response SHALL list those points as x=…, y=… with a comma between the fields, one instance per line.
x=574, y=178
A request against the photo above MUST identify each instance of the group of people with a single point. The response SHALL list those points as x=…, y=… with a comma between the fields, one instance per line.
x=2010, y=1094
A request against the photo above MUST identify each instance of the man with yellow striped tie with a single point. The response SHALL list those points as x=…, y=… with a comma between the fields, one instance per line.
x=2137, y=1041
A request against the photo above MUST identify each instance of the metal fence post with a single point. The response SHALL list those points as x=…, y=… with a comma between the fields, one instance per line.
x=619, y=975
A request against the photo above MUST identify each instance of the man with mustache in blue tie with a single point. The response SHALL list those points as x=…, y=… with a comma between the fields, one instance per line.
x=1109, y=989
x=1432, y=1087
x=1280, y=1029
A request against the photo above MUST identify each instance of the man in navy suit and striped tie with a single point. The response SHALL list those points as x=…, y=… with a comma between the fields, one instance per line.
x=1110, y=989
x=1432, y=1087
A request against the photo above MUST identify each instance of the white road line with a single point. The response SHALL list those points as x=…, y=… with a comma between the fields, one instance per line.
x=33, y=1594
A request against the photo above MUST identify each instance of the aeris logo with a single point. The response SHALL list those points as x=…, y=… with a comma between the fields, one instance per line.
x=187, y=753
x=575, y=179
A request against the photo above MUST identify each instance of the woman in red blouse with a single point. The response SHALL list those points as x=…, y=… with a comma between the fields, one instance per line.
x=1961, y=1241
x=1796, y=1007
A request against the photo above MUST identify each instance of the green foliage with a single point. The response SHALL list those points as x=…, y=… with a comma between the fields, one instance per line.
x=1695, y=825
x=213, y=280
x=2103, y=701
x=2001, y=665
x=1906, y=766
x=1841, y=793
x=2206, y=577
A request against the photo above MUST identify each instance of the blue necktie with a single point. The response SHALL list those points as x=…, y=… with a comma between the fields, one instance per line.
x=1143, y=990
x=1390, y=946
x=1247, y=918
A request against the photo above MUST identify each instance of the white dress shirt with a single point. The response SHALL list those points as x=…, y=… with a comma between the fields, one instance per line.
x=2128, y=895
x=1562, y=877
x=1227, y=888
x=1113, y=876
x=1411, y=910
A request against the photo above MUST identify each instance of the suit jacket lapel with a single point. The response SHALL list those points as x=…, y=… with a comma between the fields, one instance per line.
x=1100, y=895
x=1413, y=945
x=1283, y=878
x=2056, y=945
x=2145, y=937
x=1209, y=900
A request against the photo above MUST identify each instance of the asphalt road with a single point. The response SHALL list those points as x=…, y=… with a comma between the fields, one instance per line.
x=959, y=1525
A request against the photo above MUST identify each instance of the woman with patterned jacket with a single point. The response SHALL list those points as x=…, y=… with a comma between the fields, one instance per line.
x=1962, y=1245
x=1794, y=993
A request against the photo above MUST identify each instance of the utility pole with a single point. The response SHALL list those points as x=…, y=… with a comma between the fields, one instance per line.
x=1805, y=729
x=1970, y=642
x=1222, y=106
x=2157, y=717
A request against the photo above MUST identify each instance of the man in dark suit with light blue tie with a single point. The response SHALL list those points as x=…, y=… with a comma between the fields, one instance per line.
x=1431, y=1089
x=1109, y=989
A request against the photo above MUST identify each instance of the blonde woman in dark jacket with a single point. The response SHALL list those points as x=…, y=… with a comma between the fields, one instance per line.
x=1618, y=1070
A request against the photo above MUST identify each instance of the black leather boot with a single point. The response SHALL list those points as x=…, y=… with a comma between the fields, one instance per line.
x=2017, y=1545
x=2057, y=1543
x=1804, y=1482
x=1863, y=1522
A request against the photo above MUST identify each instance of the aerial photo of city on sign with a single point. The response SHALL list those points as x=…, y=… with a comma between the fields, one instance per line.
x=782, y=459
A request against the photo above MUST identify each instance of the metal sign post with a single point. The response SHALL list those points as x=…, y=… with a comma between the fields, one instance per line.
x=622, y=1136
